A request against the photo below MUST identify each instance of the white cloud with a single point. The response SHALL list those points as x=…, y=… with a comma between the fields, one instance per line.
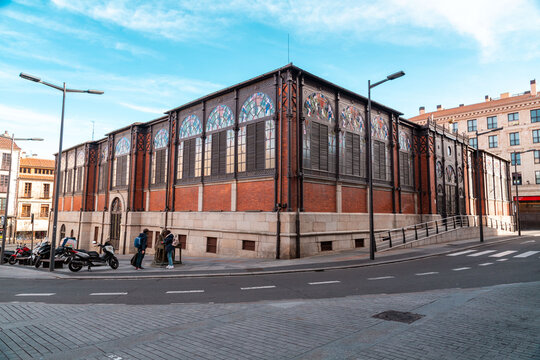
x=143, y=108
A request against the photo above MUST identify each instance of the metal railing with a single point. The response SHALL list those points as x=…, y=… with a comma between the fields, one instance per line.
x=499, y=224
x=388, y=238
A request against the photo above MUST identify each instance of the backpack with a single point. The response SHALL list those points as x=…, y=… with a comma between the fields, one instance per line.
x=137, y=242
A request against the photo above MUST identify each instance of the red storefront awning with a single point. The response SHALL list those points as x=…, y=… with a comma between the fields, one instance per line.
x=528, y=198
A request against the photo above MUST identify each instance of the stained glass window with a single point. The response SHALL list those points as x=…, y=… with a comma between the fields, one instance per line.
x=104, y=152
x=190, y=126
x=379, y=129
x=71, y=161
x=317, y=105
x=161, y=139
x=80, y=158
x=221, y=117
x=439, y=169
x=270, y=137
x=352, y=120
x=122, y=147
x=450, y=173
x=404, y=142
x=257, y=106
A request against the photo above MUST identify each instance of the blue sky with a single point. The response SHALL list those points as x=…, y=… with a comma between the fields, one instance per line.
x=151, y=56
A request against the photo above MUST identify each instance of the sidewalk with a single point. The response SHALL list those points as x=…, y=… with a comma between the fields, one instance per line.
x=226, y=266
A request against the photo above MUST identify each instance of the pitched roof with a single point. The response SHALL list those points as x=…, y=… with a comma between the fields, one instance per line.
x=37, y=163
x=5, y=143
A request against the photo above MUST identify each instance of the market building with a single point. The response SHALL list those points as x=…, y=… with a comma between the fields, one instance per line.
x=273, y=167
x=518, y=117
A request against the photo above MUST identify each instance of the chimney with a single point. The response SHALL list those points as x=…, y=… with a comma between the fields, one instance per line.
x=487, y=98
x=439, y=107
x=505, y=95
x=422, y=110
x=533, y=87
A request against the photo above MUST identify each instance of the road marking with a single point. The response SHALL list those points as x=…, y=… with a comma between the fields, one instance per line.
x=427, y=273
x=461, y=253
x=504, y=253
x=381, y=278
x=483, y=253
x=184, y=291
x=42, y=294
x=463, y=268
x=324, y=282
x=526, y=254
x=526, y=242
x=502, y=259
x=108, y=294
x=258, y=287
x=485, y=264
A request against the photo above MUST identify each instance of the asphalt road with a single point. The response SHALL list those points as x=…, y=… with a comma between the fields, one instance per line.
x=516, y=261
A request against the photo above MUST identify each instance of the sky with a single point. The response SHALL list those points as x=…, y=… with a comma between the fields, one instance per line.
x=151, y=56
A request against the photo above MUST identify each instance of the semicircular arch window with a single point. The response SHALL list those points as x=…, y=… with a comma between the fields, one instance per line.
x=351, y=119
x=221, y=117
x=404, y=142
x=161, y=139
x=191, y=126
x=379, y=129
x=122, y=147
x=257, y=106
x=317, y=105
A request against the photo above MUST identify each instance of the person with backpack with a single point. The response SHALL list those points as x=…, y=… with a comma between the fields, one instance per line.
x=141, y=243
x=169, y=248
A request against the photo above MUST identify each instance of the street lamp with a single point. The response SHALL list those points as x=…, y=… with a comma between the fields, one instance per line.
x=517, y=192
x=478, y=195
x=370, y=161
x=4, y=225
x=57, y=184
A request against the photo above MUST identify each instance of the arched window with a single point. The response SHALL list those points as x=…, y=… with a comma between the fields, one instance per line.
x=159, y=157
x=256, y=134
x=62, y=231
x=189, y=148
x=319, y=134
x=121, y=162
x=69, y=173
x=219, y=143
x=79, y=171
x=379, y=135
x=103, y=167
x=405, y=159
x=352, y=142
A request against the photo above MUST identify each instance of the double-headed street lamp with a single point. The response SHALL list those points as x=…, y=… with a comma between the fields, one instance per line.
x=516, y=183
x=59, y=158
x=478, y=195
x=370, y=161
x=4, y=225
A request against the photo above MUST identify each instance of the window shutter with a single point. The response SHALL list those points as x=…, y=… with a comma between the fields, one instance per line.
x=315, y=145
x=375, y=159
x=355, y=154
x=323, y=147
x=251, y=147
x=382, y=161
x=222, y=152
x=189, y=159
x=259, y=145
x=215, y=154
x=348, y=153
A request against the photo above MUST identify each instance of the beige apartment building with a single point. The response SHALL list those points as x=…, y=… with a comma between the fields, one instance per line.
x=518, y=116
x=7, y=177
x=34, y=197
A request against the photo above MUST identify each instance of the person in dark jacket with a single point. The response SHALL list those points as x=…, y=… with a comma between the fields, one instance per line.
x=142, y=249
x=169, y=248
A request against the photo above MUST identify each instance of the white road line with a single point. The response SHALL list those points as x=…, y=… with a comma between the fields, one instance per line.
x=485, y=264
x=184, y=291
x=526, y=254
x=461, y=253
x=258, y=287
x=324, y=282
x=504, y=253
x=42, y=294
x=108, y=294
x=381, y=278
x=463, y=268
x=482, y=253
x=502, y=259
x=427, y=273
x=526, y=242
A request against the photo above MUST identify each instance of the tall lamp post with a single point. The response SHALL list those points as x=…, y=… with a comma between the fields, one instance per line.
x=370, y=161
x=478, y=195
x=517, y=192
x=59, y=159
x=4, y=225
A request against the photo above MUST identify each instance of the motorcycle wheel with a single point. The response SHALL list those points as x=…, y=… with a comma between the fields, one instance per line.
x=12, y=260
x=74, y=267
x=113, y=263
x=37, y=264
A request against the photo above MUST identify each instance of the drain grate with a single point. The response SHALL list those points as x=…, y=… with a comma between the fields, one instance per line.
x=393, y=315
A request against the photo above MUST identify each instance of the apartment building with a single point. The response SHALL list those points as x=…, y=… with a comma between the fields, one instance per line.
x=6, y=155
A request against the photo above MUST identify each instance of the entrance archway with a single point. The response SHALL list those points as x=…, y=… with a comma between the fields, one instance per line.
x=116, y=220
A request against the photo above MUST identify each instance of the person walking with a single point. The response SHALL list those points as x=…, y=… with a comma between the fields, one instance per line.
x=169, y=248
x=143, y=244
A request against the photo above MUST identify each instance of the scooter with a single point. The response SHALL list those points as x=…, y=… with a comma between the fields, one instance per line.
x=21, y=253
x=80, y=258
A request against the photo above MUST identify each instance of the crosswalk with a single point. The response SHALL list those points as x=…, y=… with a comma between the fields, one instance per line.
x=495, y=254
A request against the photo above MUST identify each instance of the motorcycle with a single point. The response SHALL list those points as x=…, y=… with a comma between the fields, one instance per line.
x=81, y=258
x=61, y=253
x=7, y=255
x=21, y=253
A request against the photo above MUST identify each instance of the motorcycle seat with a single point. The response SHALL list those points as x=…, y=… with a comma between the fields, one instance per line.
x=93, y=253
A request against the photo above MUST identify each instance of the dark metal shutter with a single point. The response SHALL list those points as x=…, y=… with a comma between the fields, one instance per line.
x=222, y=151
x=355, y=154
x=188, y=170
x=315, y=145
x=348, y=153
x=215, y=154
x=376, y=159
x=323, y=147
x=382, y=161
x=259, y=145
x=251, y=148
x=404, y=168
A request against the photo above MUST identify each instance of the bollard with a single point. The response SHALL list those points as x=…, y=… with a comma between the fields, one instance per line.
x=403, y=230
x=436, y=227
x=415, y=233
x=389, y=239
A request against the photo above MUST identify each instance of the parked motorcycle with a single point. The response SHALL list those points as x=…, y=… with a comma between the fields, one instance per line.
x=81, y=258
x=61, y=253
x=22, y=253
x=7, y=255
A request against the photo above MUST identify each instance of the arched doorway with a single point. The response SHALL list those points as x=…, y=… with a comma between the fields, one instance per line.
x=71, y=233
x=116, y=220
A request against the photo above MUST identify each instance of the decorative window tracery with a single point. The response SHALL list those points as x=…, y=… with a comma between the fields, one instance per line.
x=189, y=148
x=257, y=106
x=404, y=142
x=221, y=117
x=379, y=129
x=161, y=139
x=191, y=126
x=123, y=146
x=351, y=142
x=319, y=134
x=439, y=169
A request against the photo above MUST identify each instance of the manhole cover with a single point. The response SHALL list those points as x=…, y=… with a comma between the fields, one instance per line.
x=392, y=315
